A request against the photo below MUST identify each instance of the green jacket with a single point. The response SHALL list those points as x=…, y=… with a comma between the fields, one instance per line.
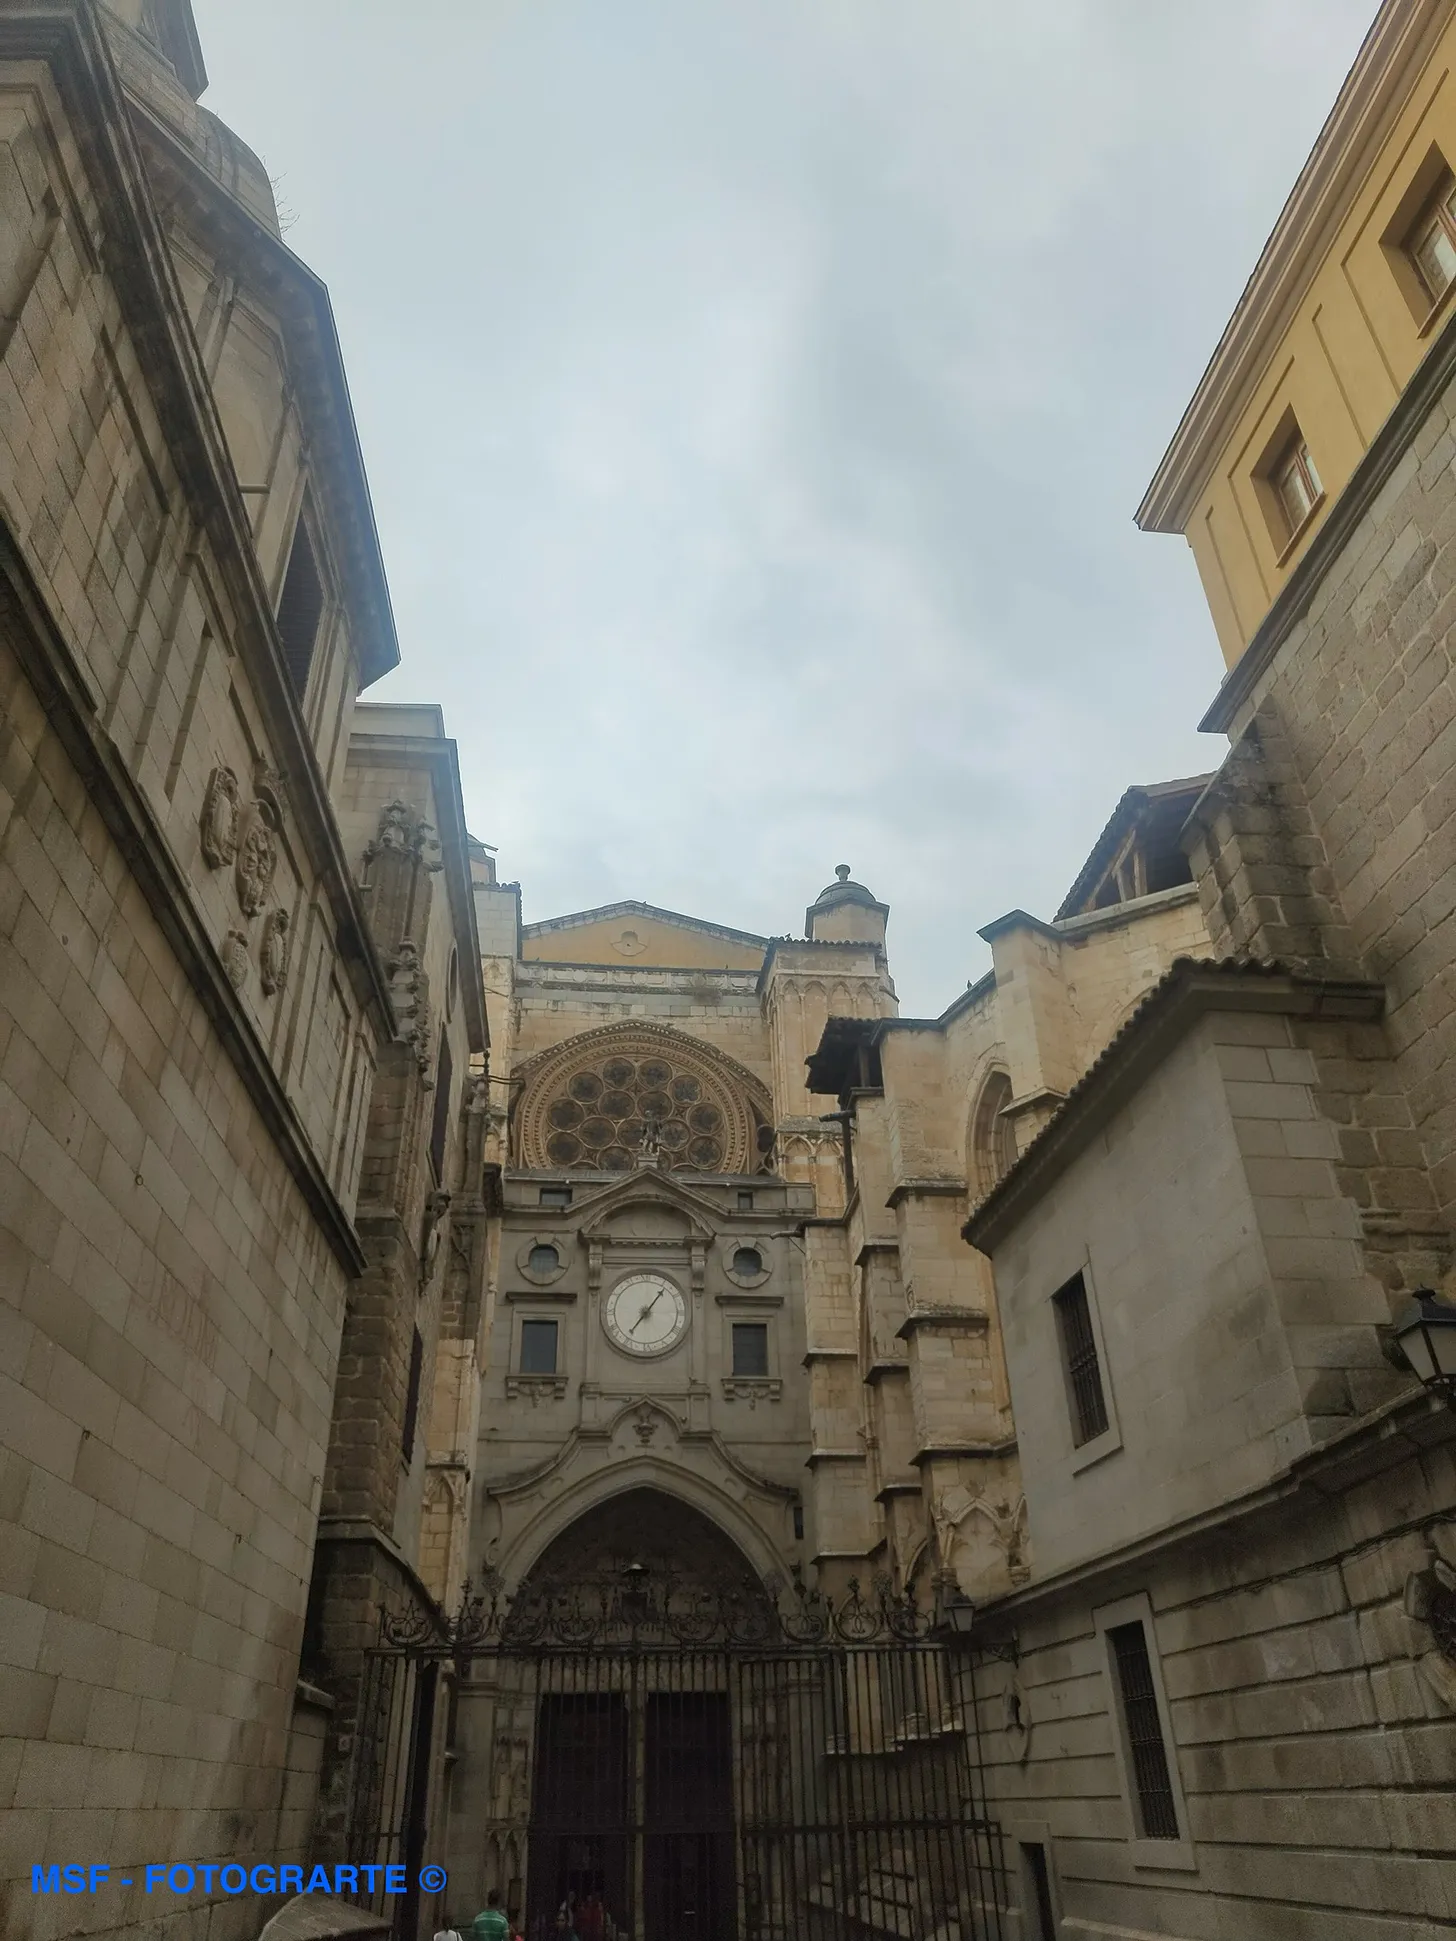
x=490, y=1925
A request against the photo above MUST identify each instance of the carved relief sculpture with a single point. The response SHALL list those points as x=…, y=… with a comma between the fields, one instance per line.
x=220, y=819
x=408, y=988
x=403, y=830
x=257, y=866
x=269, y=795
x=275, y=952
x=235, y=958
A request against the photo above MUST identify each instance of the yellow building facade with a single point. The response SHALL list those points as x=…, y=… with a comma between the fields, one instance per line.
x=1345, y=303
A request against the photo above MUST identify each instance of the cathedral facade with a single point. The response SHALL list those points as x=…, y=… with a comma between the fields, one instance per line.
x=729, y=1289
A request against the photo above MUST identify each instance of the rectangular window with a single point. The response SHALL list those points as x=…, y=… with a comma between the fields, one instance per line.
x=1431, y=244
x=1157, y=1811
x=1079, y=1357
x=798, y=1523
x=745, y=1202
x=1041, y=1920
x=412, y=1398
x=301, y=605
x=1296, y=483
x=750, y=1348
x=555, y=1196
x=440, y=1129
x=538, y=1347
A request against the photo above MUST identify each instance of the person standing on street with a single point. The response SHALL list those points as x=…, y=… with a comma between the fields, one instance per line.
x=490, y=1924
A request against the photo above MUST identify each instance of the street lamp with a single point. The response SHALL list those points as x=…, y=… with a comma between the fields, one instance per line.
x=958, y=1615
x=1425, y=1329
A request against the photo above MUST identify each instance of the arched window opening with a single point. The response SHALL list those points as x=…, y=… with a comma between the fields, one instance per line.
x=993, y=1136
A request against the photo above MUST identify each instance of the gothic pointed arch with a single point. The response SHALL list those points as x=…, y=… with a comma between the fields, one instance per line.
x=597, y=1101
x=993, y=1136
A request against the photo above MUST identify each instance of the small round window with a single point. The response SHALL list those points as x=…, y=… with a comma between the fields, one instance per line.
x=543, y=1260
x=748, y=1261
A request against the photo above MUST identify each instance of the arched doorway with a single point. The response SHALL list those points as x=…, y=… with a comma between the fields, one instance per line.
x=677, y=1750
x=632, y=1800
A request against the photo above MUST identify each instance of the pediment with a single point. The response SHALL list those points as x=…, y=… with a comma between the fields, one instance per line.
x=655, y=1199
x=638, y=935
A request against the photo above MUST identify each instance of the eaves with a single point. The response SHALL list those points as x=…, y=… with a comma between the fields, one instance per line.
x=1387, y=67
x=66, y=38
x=1191, y=988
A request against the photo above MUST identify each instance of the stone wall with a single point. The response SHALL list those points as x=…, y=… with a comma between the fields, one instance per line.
x=170, y=1313
x=1340, y=791
x=1311, y=1721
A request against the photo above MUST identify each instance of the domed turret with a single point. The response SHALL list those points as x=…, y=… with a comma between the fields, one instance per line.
x=846, y=913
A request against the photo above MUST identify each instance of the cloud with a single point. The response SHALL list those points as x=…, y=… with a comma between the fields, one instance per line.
x=756, y=400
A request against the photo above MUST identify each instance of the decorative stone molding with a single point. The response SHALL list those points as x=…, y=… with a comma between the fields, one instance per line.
x=536, y=1388
x=752, y=1389
x=270, y=796
x=257, y=865
x=612, y=1099
x=730, y=1245
x=404, y=831
x=273, y=958
x=990, y=1534
x=537, y=1276
x=235, y=958
x=220, y=814
x=409, y=993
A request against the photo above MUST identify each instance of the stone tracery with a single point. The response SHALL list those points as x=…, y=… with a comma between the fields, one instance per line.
x=604, y=1101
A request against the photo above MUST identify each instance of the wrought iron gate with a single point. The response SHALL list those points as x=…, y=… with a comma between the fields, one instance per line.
x=721, y=1763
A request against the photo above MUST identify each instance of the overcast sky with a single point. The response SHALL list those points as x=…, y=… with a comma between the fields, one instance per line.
x=756, y=396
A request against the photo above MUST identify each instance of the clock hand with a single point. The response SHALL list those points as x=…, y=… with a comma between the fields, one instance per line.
x=646, y=1311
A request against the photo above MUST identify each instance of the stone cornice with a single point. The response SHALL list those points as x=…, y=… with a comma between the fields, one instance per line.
x=940, y=1186
x=945, y=1320
x=1374, y=92
x=1400, y=1431
x=64, y=36
x=316, y=363
x=1191, y=988
x=952, y=1451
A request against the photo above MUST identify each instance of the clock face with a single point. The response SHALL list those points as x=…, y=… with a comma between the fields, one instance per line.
x=645, y=1315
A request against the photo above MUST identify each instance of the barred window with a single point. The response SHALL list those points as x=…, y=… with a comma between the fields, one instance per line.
x=1157, y=1811
x=1079, y=1357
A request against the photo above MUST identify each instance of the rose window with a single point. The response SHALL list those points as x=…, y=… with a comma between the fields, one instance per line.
x=605, y=1113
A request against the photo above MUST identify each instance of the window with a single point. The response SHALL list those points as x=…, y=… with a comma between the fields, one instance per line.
x=798, y=1523
x=543, y=1259
x=748, y=1262
x=1039, y=1920
x=993, y=1137
x=745, y=1202
x=440, y=1129
x=538, y=1347
x=1296, y=483
x=1079, y=1358
x=750, y=1348
x=301, y=605
x=1155, y=1807
x=1431, y=243
x=555, y=1196
x=412, y=1399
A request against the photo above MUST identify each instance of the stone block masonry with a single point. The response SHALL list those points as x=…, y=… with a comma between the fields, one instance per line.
x=169, y=1318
